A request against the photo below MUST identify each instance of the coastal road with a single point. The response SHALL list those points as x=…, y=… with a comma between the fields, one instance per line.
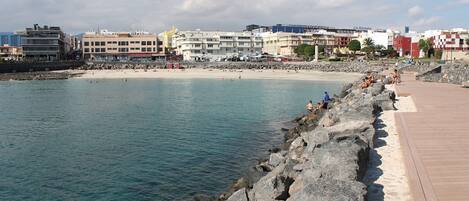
x=435, y=139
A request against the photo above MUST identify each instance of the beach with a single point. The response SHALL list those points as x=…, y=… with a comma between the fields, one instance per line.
x=386, y=176
x=217, y=74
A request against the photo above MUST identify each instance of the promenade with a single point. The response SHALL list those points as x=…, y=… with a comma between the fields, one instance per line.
x=435, y=139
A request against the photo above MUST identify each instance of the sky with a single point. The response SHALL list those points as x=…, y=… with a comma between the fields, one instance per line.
x=78, y=16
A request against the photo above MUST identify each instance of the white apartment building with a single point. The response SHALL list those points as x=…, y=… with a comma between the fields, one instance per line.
x=210, y=45
x=120, y=46
x=380, y=37
x=282, y=43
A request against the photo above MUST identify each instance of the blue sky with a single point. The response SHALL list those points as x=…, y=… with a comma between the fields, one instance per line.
x=76, y=16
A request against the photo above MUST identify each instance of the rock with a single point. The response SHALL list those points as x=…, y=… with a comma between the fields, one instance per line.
x=275, y=159
x=331, y=190
x=240, y=195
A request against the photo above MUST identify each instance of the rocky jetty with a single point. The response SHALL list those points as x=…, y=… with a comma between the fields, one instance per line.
x=40, y=75
x=353, y=67
x=456, y=73
x=327, y=154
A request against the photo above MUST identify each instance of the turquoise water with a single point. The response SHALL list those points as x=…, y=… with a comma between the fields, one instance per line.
x=145, y=139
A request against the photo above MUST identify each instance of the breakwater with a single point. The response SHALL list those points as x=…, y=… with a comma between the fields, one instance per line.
x=39, y=66
x=352, y=67
x=326, y=155
x=456, y=73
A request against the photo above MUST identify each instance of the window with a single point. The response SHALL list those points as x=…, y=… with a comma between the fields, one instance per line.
x=148, y=42
x=144, y=49
x=144, y=42
x=197, y=45
x=92, y=43
x=154, y=42
x=210, y=45
x=87, y=50
x=154, y=49
x=123, y=43
x=92, y=49
x=123, y=49
x=103, y=43
x=210, y=51
x=98, y=50
x=109, y=42
x=87, y=44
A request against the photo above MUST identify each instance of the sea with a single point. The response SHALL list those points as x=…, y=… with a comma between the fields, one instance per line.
x=140, y=139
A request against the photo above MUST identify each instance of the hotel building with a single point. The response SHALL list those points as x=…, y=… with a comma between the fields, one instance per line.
x=208, y=45
x=283, y=43
x=43, y=43
x=121, y=46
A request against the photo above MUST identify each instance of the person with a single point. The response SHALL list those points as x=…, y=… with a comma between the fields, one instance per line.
x=395, y=77
x=310, y=106
x=364, y=84
x=326, y=100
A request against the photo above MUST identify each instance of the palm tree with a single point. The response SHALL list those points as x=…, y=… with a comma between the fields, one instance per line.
x=368, y=42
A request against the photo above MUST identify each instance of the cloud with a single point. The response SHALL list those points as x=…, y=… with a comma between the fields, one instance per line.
x=76, y=16
x=415, y=11
x=463, y=1
x=426, y=22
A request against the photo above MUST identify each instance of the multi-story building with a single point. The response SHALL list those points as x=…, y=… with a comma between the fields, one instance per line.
x=282, y=43
x=10, y=53
x=402, y=45
x=342, y=39
x=451, y=41
x=43, y=43
x=209, y=45
x=383, y=38
x=10, y=39
x=120, y=46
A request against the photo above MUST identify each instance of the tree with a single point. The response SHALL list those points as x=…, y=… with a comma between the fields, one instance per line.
x=467, y=41
x=423, y=45
x=368, y=42
x=307, y=51
x=354, y=46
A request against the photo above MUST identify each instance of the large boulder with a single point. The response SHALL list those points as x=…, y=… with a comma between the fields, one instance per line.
x=331, y=190
x=240, y=195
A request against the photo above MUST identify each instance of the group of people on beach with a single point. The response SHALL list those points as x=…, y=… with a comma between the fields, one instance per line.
x=323, y=105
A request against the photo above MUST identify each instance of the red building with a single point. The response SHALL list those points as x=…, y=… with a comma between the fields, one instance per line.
x=402, y=45
x=415, y=50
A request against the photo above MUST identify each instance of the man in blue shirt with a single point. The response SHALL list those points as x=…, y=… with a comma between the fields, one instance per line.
x=326, y=100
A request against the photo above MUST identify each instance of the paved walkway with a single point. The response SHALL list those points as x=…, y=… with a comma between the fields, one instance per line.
x=435, y=139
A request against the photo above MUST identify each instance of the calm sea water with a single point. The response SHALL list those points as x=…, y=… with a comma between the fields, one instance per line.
x=144, y=139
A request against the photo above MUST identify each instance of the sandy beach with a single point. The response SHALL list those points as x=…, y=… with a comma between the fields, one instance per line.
x=387, y=174
x=218, y=74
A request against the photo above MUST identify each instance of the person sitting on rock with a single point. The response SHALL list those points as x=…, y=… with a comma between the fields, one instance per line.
x=310, y=106
x=364, y=84
x=395, y=77
x=319, y=106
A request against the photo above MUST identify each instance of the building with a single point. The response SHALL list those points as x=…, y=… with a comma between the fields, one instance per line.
x=289, y=28
x=211, y=45
x=10, y=53
x=402, y=45
x=342, y=40
x=167, y=39
x=121, y=46
x=453, y=44
x=282, y=43
x=43, y=43
x=10, y=39
x=383, y=38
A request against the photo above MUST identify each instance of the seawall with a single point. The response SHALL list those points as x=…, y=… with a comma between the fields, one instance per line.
x=351, y=67
x=326, y=156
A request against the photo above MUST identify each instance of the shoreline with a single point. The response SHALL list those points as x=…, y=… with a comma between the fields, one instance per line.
x=244, y=74
x=337, y=144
